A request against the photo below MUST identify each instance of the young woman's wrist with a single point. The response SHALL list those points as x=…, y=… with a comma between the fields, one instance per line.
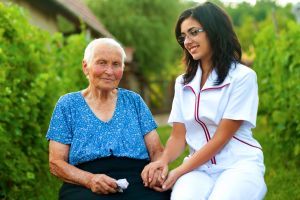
x=180, y=170
x=164, y=159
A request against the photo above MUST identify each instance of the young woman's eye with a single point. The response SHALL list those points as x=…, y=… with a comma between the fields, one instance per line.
x=194, y=32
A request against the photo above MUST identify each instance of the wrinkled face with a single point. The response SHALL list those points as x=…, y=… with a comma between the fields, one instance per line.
x=195, y=39
x=105, y=70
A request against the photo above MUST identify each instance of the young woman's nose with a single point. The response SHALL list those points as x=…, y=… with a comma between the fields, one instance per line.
x=187, y=40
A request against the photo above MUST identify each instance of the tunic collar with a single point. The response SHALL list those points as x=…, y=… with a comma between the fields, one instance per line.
x=209, y=84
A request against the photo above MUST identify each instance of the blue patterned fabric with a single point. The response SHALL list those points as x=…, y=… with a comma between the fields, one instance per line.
x=74, y=123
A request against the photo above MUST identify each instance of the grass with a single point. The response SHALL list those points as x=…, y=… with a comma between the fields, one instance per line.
x=282, y=177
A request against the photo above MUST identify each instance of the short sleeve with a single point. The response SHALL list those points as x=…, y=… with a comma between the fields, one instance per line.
x=60, y=124
x=243, y=101
x=176, y=113
x=146, y=120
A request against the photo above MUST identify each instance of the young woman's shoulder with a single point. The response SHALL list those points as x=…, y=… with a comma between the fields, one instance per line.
x=179, y=79
x=240, y=71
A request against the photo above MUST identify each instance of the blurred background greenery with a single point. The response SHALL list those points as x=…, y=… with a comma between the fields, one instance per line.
x=38, y=65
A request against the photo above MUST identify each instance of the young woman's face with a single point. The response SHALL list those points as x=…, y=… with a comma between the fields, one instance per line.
x=195, y=39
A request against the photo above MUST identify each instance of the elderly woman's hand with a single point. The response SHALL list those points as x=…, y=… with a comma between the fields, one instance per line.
x=154, y=174
x=102, y=184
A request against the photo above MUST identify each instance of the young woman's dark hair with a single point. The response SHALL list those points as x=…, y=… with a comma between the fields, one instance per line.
x=223, y=40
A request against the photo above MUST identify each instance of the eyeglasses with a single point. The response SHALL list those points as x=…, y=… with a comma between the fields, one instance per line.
x=192, y=33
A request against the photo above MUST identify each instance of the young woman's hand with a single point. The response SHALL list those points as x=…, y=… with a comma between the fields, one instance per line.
x=155, y=173
x=171, y=179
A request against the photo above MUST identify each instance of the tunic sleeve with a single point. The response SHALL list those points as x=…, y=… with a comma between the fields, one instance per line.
x=60, y=124
x=176, y=113
x=243, y=101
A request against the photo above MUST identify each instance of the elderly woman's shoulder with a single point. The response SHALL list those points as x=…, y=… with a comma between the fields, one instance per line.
x=71, y=97
x=129, y=94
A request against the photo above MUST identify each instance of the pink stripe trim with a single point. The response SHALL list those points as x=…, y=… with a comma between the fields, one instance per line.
x=198, y=120
x=191, y=89
x=215, y=88
x=207, y=135
x=246, y=143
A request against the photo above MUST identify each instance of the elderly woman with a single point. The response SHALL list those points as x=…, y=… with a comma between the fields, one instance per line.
x=103, y=133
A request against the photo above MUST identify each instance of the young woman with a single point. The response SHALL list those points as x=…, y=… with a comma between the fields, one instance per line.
x=213, y=112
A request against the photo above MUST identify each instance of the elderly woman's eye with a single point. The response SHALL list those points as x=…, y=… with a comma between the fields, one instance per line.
x=101, y=62
x=117, y=64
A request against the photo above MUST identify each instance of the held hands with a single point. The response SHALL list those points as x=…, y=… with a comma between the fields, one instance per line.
x=171, y=179
x=102, y=184
x=155, y=176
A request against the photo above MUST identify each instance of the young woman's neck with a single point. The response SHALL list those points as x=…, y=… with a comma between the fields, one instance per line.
x=206, y=66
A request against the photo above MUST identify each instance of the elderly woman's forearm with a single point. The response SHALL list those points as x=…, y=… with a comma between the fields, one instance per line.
x=157, y=153
x=69, y=173
x=154, y=146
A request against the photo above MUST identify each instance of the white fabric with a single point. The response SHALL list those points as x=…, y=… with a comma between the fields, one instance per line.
x=236, y=98
x=243, y=182
x=201, y=112
x=122, y=184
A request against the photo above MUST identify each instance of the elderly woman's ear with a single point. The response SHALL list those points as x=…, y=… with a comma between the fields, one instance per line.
x=85, y=68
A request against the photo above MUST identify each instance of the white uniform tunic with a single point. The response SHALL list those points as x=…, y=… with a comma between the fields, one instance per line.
x=201, y=111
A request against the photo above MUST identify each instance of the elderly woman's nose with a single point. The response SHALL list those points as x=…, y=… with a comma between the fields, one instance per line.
x=109, y=69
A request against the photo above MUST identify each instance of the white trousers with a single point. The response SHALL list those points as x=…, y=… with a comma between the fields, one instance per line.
x=244, y=182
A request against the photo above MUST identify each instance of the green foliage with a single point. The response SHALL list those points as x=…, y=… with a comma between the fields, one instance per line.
x=145, y=25
x=281, y=176
x=35, y=69
x=249, y=20
x=278, y=67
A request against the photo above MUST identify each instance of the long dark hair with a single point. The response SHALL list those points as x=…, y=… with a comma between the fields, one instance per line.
x=223, y=40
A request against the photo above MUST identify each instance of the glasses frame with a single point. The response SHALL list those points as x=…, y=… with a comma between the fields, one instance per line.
x=192, y=33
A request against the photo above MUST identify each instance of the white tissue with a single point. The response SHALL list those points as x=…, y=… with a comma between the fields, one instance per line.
x=122, y=184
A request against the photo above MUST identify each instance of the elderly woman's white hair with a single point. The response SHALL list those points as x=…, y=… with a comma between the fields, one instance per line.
x=89, y=50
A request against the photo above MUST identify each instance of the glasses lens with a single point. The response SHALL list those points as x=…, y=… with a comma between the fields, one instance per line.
x=181, y=39
x=194, y=32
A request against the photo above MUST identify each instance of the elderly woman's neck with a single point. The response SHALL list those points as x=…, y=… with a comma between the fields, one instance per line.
x=98, y=94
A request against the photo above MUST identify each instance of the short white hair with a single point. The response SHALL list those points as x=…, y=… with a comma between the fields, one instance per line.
x=89, y=50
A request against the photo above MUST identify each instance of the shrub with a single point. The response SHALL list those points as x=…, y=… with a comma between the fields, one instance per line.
x=278, y=66
x=35, y=69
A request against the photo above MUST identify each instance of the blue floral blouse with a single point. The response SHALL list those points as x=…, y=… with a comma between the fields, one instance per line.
x=75, y=124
